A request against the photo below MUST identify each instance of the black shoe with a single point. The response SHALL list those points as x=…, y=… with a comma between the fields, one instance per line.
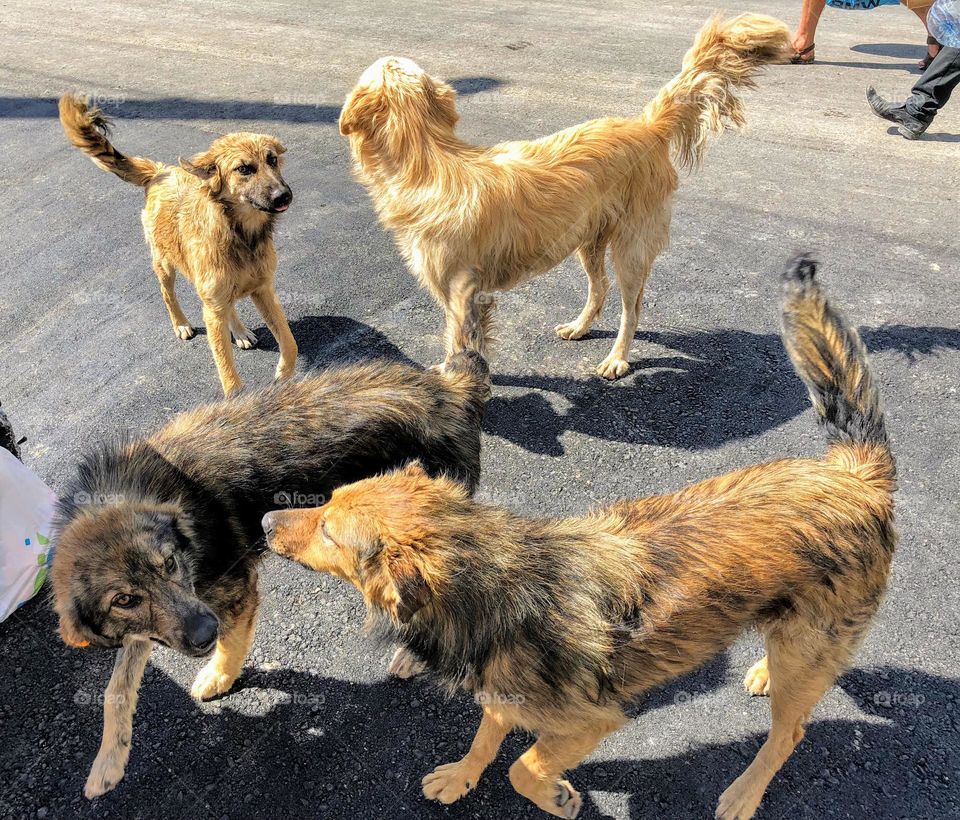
x=909, y=126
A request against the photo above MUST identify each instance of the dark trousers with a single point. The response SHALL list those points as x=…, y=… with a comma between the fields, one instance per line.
x=933, y=89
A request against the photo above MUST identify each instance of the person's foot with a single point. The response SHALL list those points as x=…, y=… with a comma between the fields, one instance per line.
x=908, y=125
x=803, y=54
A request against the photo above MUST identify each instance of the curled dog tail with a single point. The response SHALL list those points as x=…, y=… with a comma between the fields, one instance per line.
x=87, y=127
x=701, y=100
x=832, y=361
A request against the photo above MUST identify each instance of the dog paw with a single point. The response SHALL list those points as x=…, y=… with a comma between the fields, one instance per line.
x=757, y=680
x=211, y=683
x=245, y=339
x=184, y=332
x=571, y=331
x=739, y=801
x=447, y=783
x=613, y=368
x=106, y=772
x=283, y=372
x=566, y=799
x=404, y=664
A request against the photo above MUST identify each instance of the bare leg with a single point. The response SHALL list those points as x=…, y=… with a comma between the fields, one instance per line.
x=798, y=677
x=591, y=257
x=167, y=276
x=119, y=704
x=266, y=301
x=450, y=782
x=807, y=27
x=224, y=667
x=218, y=334
x=243, y=337
x=536, y=774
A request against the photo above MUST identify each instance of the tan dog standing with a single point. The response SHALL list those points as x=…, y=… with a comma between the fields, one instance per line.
x=469, y=219
x=212, y=219
x=556, y=626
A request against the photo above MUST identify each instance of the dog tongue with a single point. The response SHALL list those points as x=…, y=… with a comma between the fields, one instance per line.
x=280, y=209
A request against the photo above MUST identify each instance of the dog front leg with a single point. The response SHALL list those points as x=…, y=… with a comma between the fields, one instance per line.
x=218, y=334
x=119, y=703
x=450, y=782
x=537, y=773
x=468, y=314
x=222, y=670
x=266, y=301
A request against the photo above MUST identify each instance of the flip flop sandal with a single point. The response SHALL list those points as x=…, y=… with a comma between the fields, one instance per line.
x=801, y=58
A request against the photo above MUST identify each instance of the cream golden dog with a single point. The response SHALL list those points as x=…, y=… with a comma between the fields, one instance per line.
x=470, y=220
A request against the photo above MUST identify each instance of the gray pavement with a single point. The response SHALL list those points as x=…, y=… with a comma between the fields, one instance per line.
x=314, y=727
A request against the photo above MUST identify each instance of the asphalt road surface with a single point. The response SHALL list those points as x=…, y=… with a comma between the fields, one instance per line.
x=314, y=727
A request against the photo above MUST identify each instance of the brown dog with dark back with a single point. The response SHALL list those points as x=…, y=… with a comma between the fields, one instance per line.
x=557, y=625
x=212, y=219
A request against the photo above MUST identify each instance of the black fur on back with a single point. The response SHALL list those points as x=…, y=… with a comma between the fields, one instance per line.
x=226, y=464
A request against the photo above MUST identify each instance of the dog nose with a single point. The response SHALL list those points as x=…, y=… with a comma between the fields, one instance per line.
x=269, y=523
x=201, y=630
x=281, y=199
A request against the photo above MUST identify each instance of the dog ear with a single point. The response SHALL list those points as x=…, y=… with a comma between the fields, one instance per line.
x=70, y=632
x=412, y=591
x=360, y=111
x=277, y=146
x=443, y=102
x=203, y=167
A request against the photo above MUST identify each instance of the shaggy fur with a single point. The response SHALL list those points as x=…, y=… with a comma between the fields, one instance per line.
x=470, y=220
x=557, y=625
x=212, y=219
x=157, y=539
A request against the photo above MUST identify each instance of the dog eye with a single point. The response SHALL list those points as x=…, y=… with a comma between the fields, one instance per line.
x=170, y=564
x=125, y=601
x=271, y=160
x=245, y=170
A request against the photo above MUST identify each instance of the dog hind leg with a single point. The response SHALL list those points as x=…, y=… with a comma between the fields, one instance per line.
x=801, y=670
x=119, y=704
x=591, y=256
x=757, y=679
x=222, y=670
x=243, y=337
x=167, y=276
x=451, y=781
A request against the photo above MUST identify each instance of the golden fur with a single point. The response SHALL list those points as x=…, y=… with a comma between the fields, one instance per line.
x=469, y=219
x=557, y=625
x=212, y=219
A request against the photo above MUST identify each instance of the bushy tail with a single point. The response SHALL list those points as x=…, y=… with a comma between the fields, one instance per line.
x=701, y=100
x=87, y=127
x=832, y=361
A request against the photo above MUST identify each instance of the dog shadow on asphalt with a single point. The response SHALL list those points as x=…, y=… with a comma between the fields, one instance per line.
x=297, y=742
x=285, y=107
x=328, y=341
x=722, y=385
x=294, y=742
